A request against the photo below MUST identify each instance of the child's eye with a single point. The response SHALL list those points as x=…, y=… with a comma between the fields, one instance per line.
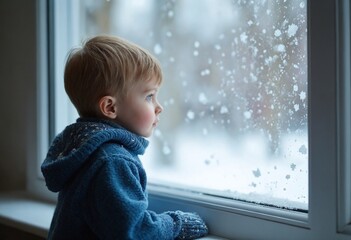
x=149, y=97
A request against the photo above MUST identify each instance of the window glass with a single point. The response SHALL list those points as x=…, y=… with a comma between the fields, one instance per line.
x=235, y=119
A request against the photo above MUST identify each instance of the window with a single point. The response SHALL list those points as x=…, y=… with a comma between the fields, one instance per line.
x=239, y=83
x=235, y=92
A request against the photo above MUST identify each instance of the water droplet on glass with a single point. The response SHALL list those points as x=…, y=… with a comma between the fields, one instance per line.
x=296, y=107
x=157, y=133
x=303, y=149
x=205, y=72
x=243, y=37
x=166, y=150
x=170, y=14
x=157, y=49
x=224, y=110
x=202, y=98
x=292, y=29
x=247, y=114
x=256, y=173
x=190, y=115
x=279, y=48
x=277, y=33
x=204, y=131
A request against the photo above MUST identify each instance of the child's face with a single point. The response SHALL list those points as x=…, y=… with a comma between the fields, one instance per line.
x=139, y=111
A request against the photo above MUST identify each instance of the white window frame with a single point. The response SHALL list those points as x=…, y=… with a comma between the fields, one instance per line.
x=344, y=116
x=38, y=143
x=329, y=215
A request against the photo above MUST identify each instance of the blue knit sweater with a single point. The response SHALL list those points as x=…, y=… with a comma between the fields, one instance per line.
x=94, y=166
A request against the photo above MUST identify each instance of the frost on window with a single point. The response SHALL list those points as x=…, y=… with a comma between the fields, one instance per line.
x=234, y=94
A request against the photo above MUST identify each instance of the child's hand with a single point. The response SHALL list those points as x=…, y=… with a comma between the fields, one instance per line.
x=191, y=225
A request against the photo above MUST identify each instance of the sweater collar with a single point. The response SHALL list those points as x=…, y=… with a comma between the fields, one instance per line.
x=115, y=132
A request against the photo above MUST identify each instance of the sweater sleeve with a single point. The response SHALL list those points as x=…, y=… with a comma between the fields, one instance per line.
x=117, y=205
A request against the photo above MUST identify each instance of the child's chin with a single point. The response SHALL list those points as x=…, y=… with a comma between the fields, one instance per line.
x=147, y=134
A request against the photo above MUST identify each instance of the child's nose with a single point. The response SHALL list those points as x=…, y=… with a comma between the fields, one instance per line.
x=159, y=108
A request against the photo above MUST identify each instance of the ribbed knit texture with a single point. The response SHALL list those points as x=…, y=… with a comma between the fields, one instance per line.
x=94, y=166
x=189, y=225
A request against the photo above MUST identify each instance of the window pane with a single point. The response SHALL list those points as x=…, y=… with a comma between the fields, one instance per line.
x=235, y=120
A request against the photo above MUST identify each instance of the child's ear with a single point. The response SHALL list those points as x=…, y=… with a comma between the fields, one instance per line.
x=108, y=106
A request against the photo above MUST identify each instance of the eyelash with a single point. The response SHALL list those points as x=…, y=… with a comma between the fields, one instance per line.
x=149, y=97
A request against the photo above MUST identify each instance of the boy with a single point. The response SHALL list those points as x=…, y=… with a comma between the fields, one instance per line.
x=94, y=163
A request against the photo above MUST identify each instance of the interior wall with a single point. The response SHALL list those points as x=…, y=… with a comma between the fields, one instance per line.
x=17, y=91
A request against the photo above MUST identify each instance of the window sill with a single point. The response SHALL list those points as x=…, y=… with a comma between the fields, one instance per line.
x=19, y=211
x=22, y=212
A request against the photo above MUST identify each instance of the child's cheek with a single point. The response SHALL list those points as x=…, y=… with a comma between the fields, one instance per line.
x=146, y=118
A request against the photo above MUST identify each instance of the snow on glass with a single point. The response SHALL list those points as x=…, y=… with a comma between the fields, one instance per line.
x=234, y=94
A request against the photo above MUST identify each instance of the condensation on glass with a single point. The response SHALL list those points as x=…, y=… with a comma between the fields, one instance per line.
x=235, y=120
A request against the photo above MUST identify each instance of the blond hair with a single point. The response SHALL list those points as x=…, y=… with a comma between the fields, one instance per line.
x=106, y=65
